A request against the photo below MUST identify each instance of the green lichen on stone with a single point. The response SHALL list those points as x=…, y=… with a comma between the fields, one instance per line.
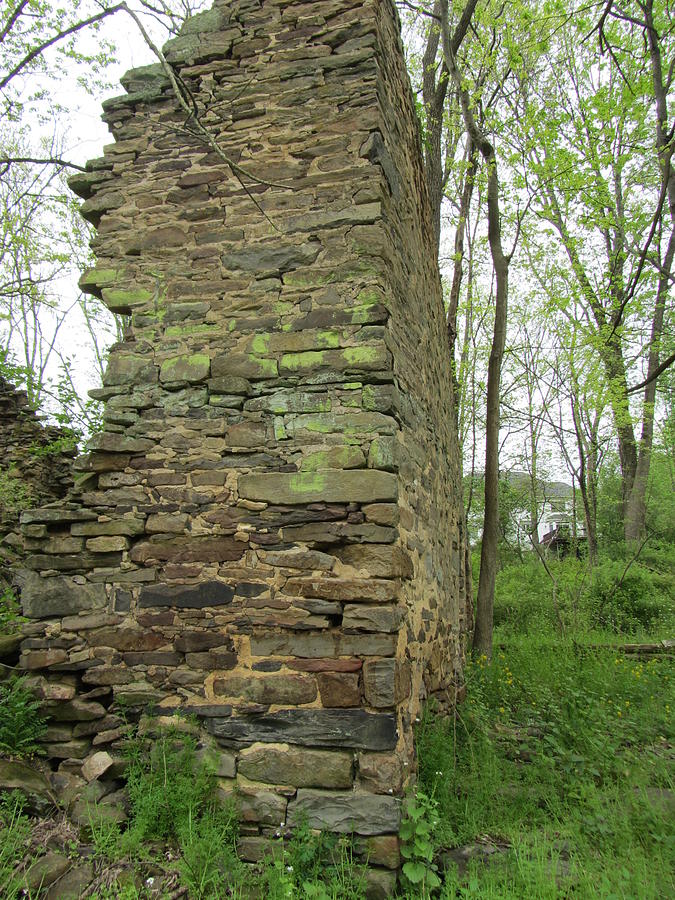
x=280, y=433
x=121, y=300
x=266, y=367
x=177, y=331
x=92, y=281
x=232, y=324
x=296, y=362
x=328, y=339
x=335, y=458
x=260, y=344
x=357, y=356
x=308, y=278
x=352, y=385
x=369, y=296
x=383, y=454
x=193, y=368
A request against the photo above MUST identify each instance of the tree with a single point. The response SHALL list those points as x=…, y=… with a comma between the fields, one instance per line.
x=597, y=159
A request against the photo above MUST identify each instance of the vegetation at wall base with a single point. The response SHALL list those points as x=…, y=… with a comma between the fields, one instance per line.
x=556, y=777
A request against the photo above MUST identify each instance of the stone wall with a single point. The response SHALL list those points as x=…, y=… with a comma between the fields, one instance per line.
x=267, y=533
x=35, y=468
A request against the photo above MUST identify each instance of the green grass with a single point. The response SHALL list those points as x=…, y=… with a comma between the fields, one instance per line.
x=563, y=755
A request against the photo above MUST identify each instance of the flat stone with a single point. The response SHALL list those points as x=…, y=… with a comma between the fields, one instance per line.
x=19, y=776
x=9, y=644
x=380, y=773
x=355, y=729
x=353, y=486
x=188, y=549
x=272, y=258
x=45, y=598
x=192, y=368
x=245, y=366
x=107, y=544
x=184, y=596
x=42, y=659
x=128, y=639
x=96, y=765
x=381, y=850
x=383, y=454
x=353, y=812
x=198, y=641
x=256, y=804
x=343, y=589
x=380, y=884
x=364, y=617
x=316, y=646
x=56, y=514
x=339, y=689
x=378, y=560
x=129, y=527
x=300, y=559
x=127, y=369
x=166, y=523
x=76, y=711
x=267, y=689
x=118, y=443
x=385, y=682
x=283, y=764
x=46, y=870
x=73, y=883
x=364, y=213
x=348, y=457
x=325, y=665
x=77, y=748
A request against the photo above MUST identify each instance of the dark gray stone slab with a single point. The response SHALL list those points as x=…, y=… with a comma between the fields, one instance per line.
x=347, y=812
x=44, y=598
x=184, y=596
x=343, y=728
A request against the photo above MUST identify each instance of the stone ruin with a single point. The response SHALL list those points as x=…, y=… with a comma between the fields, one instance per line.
x=35, y=468
x=266, y=533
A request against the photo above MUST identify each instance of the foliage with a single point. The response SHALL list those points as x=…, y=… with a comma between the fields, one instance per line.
x=625, y=595
x=629, y=600
x=417, y=832
x=560, y=756
x=10, y=611
x=14, y=833
x=20, y=725
x=314, y=866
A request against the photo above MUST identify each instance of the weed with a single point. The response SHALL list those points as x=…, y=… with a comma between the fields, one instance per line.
x=417, y=842
x=14, y=834
x=20, y=725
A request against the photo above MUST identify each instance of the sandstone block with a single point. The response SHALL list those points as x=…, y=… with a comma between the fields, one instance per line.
x=379, y=561
x=267, y=689
x=385, y=682
x=354, y=486
x=284, y=764
x=192, y=368
x=364, y=617
x=352, y=589
x=339, y=689
x=380, y=773
x=96, y=765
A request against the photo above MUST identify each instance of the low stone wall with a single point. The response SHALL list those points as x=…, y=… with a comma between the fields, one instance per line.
x=267, y=533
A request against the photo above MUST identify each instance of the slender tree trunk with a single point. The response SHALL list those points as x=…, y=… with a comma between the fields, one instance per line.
x=482, y=639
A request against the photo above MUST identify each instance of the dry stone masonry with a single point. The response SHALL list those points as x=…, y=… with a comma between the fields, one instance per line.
x=266, y=532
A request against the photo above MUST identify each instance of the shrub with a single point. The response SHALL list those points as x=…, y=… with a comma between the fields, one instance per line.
x=628, y=600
